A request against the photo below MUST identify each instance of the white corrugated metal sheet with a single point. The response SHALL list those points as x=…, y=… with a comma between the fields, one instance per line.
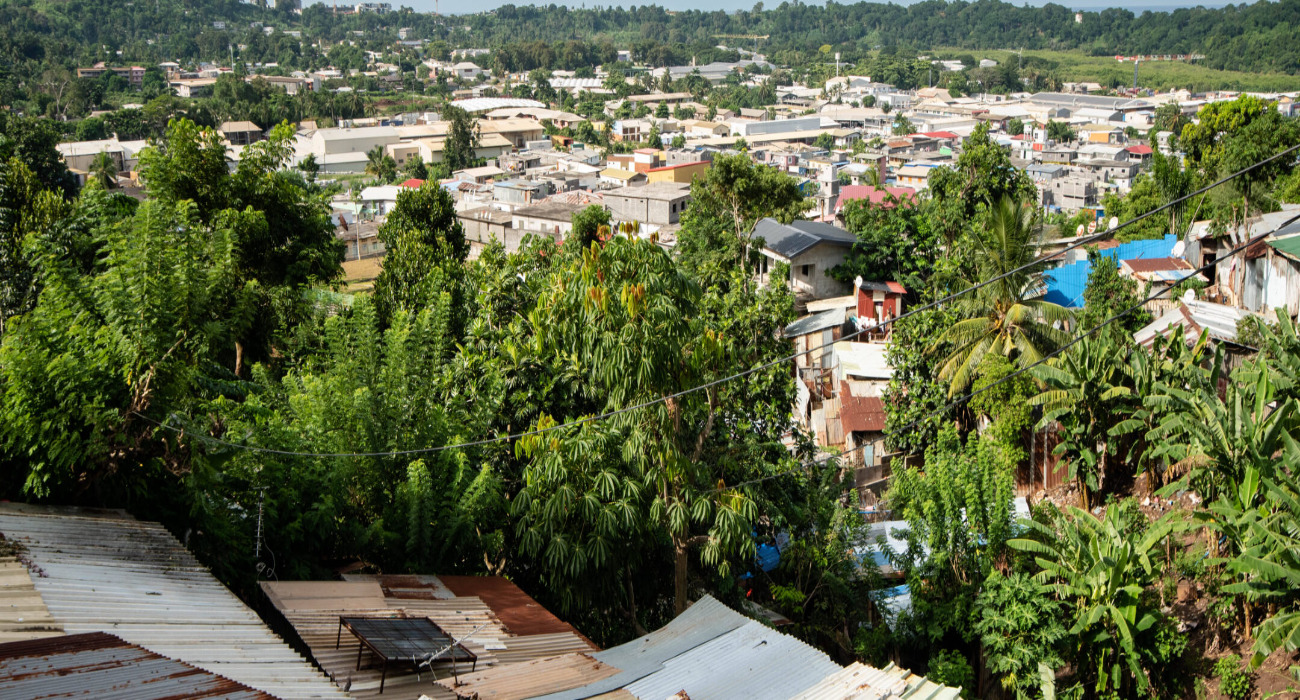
x=862, y=682
x=104, y=571
x=705, y=620
x=751, y=662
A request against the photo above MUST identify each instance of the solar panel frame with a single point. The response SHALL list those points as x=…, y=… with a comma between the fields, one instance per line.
x=408, y=640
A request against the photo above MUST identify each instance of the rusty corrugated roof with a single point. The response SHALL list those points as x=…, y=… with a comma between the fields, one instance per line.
x=102, y=666
x=104, y=571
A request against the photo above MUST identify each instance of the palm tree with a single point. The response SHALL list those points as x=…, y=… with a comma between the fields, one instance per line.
x=1001, y=317
x=104, y=169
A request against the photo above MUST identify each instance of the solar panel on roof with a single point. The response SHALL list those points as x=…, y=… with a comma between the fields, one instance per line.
x=405, y=638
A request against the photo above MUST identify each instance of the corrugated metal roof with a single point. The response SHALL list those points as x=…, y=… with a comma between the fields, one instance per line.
x=817, y=322
x=313, y=608
x=107, y=572
x=862, y=682
x=23, y=614
x=104, y=667
x=1194, y=316
x=704, y=621
x=789, y=240
x=863, y=360
x=860, y=413
x=751, y=662
x=533, y=678
x=709, y=651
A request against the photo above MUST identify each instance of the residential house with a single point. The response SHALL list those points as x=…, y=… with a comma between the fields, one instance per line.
x=1070, y=194
x=811, y=249
x=630, y=129
x=876, y=304
x=241, y=133
x=483, y=225
x=1042, y=173
x=1119, y=172
x=552, y=217
x=134, y=75
x=679, y=172
x=914, y=176
x=380, y=200
x=466, y=70
x=653, y=205
x=1139, y=152
x=1101, y=133
x=887, y=197
x=1156, y=274
x=517, y=192
x=620, y=177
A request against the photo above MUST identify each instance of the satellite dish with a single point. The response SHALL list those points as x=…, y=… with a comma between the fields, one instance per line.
x=1079, y=230
x=1113, y=223
x=1092, y=227
x=1189, y=295
x=1179, y=248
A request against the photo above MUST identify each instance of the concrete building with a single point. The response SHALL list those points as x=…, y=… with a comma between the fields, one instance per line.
x=679, y=173
x=1070, y=194
x=484, y=225
x=811, y=249
x=241, y=133
x=655, y=204
x=133, y=74
x=553, y=218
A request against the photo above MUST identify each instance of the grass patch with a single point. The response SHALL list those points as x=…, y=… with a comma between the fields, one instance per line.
x=1076, y=66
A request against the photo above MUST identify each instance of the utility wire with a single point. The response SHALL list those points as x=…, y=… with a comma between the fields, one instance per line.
x=723, y=380
x=966, y=397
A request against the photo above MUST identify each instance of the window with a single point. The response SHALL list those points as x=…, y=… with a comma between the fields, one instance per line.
x=672, y=208
x=805, y=270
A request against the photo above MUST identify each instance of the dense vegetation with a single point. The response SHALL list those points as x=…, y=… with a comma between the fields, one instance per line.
x=42, y=43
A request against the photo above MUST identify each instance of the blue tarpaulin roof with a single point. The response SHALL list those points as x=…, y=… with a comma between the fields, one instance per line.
x=1066, y=283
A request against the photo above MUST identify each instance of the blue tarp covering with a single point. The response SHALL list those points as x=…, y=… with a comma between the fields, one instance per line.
x=1065, y=284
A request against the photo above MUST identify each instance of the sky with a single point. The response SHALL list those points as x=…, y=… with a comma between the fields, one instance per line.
x=467, y=6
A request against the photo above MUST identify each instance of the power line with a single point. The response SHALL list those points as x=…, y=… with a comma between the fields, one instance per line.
x=739, y=375
x=966, y=397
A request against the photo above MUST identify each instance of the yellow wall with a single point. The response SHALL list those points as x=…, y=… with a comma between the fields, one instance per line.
x=684, y=173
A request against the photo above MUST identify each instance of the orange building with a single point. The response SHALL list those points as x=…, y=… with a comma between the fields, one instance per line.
x=681, y=172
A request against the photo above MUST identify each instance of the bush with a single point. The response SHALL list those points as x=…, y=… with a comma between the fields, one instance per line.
x=1233, y=681
x=951, y=669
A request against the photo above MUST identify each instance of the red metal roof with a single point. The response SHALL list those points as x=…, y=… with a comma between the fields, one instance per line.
x=876, y=195
x=413, y=183
x=860, y=413
x=517, y=610
x=1139, y=150
x=940, y=134
x=1157, y=264
x=896, y=288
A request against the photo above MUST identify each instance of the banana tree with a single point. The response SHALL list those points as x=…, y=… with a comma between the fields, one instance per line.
x=1269, y=562
x=1212, y=440
x=1085, y=394
x=1100, y=567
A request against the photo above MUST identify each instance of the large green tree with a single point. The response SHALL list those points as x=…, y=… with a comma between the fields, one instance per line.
x=596, y=492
